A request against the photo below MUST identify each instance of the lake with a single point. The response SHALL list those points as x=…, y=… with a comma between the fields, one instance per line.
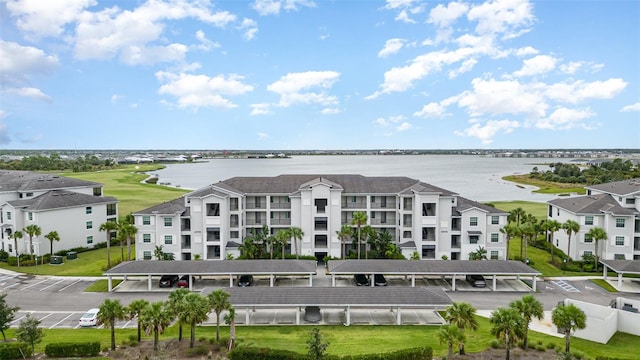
x=475, y=177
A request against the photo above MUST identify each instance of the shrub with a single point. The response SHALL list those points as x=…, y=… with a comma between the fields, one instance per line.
x=253, y=353
x=551, y=345
x=72, y=349
x=200, y=350
x=578, y=354
x=14, y=350
x=494, y=343
x=540, y=348
x=4, y=256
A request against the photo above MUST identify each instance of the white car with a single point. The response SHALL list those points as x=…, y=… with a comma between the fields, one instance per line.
x=90, y=318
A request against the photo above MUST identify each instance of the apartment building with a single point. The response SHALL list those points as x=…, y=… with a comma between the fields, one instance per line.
x=210, y=223
x=615, y=207
x=73, y=208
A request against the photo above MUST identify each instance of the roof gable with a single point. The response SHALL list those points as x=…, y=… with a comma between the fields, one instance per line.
x=57, y=199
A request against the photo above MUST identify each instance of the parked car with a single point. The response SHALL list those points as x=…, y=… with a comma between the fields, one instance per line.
x=245, y=280
x=312, y=314
x=167, y=281
x=361, y=280
x=379, y=280
x=184, y=281
x=476, y=281
x=90, y=318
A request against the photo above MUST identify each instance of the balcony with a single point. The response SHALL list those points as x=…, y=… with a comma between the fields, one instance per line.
x=258, y=205
x=383, y=204
x=282, y=221
x=636, y=244
x=388, y=221
x=455, y=242
x=321, y=242
x=281, y=205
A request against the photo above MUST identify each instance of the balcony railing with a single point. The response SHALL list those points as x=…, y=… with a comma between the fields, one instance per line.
x=252, y=206
x=388, y=205
x=256, y=221
x=321, y=244
x=388, y=221
x=281, y=205
x=280, y=221
x=354, y=205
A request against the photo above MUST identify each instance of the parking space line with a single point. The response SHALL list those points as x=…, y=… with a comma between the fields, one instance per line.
x=54, y=284
x=20, y=318
x=32, y=285
x=68, y=286
x=46, y=316
x=126, y=324
x=56, y=324
x=7, y=277
x=10, y=286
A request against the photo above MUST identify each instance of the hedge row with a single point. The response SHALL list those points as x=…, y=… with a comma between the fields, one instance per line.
x=72, y=349
x=15, y=350
x=253, y=353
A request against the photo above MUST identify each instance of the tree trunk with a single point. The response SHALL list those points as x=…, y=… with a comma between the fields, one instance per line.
x=359, y=243
x=179, y=330
x=109, y=263
x=155, y=338
x=461, y=350
x=569, y=246
x=31, y=247
x=595, y=258
x=450, y=352
x=193, y=335
x=139, y=332
x=121, y=251
x=232, y=333
x=113, y=335
x=343, y=250
x=507, y=343
x=567, y=340
x=128, y=248
x=551, y=251
x=217, y=326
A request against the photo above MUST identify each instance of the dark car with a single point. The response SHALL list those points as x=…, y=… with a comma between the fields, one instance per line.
x=476, y=281
x=184, y=281
x=312, y=314
x=168, y=280
x=361, y=280
x=379, y=280
x=245, y=280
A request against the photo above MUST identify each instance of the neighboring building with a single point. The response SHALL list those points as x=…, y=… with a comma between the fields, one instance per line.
x=615, y=207
x=211, y=222
x=73, y=208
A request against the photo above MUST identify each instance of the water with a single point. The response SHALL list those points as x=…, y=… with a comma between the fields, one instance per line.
x=475, y=177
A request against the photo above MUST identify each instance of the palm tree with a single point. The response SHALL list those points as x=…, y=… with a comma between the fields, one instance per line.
x=596, y=234
x=344, y=233
x=17, y=235
x=516, y=215
x=568, y=318
x=282, y=236
x=271, y=239
x=195, y=310
x=570, y=227
x=218, y=302
x=230, y=319
x=110, y=312
x=510, y=230
x=370, y=236
x=155, y=318
x=359, y=218
x=527, y=231
x=461, y=315
x=127, y=231
x=176, y=304
x=32, y=230
x=552, y=226
x=133, y=311
x=296, y=234
x=109, y=227
x=529, y=307
x=52, y=236
x=452, y=336
x=507, y=326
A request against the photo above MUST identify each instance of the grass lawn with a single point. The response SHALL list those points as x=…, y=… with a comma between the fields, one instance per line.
x=125, y=184
x=546, y=187
x=102, y=285
x=537, y=209
x=88, y=263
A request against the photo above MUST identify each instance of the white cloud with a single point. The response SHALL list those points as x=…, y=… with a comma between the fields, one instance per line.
x=391, y=46
x=46, y=18
x=273, y=7
x=146, y=55
x=431, y=110
x=507, y=17
x=196, y=91
x=115, y=98
x=580, y=90
x=293, y=87
x=537, y=65
x=390, y=120
x=205, y=44
x=404, y=126
x=30, y=92
x=405, y=9
x=250, y=28
x=526, y=51
x=19, y=63
x=632, y=107
x=571, y=67
x=261, y=109
x=466, y=66
x=485, y=133
x=263, y=136
x=564, y=118
x=330, y=111
x=502, y=97
x=443, y=16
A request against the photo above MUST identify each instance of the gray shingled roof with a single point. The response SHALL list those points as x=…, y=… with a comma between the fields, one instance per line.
x=433, y=267
x=224, y=267
x=591, y=204
x=281, y=296
x=14, y=180
x=466, y=204
x=175, y=206
x=623, y=266
x=622, y=188
x=57, y=199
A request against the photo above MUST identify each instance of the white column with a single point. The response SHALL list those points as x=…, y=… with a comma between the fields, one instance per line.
x=246, y=316
x=494, y=282
x=398, y=316
x=413, y=280
x=310, y=280
x=297, y=315
x=453, y=283
x=534, y=282
x=348, y=315
x=230, y=280
x=333, y=280
x=372, y=280
x=604, y=272
x=619, y=281
x=149, y=282
x=110, y=283
x=271, y=278
x=190, y=283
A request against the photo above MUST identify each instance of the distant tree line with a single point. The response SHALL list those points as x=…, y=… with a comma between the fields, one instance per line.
x=601, y=173
x=54, y=162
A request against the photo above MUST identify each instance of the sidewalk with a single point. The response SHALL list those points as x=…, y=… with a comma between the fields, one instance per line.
x=544, y=326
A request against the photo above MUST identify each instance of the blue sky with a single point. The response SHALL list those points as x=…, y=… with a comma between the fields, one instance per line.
x=303, y=74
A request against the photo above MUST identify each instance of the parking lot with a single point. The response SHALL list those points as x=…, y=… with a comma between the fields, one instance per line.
x=63, y=320
x=49, y=284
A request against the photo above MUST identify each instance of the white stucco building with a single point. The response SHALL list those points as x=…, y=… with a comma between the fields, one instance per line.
x=212, y=221
x=615, y=207
x=73, y=208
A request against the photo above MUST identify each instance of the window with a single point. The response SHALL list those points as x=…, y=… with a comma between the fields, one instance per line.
x=495, y=237
x=234, y=234
x=168, y=221
x=619, y=240
x=97, y=191
x=321, y=204
x=373, y=199
x=146, y=255
x=146, y=220
x=213, y=209
x=630, y=201
x=10, y=247
x=89, y=239
x=29, y=194
x=473, y=239
x=406, y=234
x=88, y=210
x=587, y=253
x=473, y=221
x=111, y=209
x=619, y=222
x=353, y=199
x=30, y=215
x=146, y=238
x=8, y=215
x=588, y=220
x=495, y=220
x=494, y=255
x=89, y=225
x=168, y=239
x=587, y=238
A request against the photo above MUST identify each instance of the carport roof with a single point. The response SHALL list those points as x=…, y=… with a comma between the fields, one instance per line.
x=623, y=266
x=217, y=267
x=339, y=296
x=430, y=267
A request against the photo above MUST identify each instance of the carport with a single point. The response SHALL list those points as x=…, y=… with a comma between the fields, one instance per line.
x=335, y=297
x=444, y=268
x=620, y=267
x=230, y=268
